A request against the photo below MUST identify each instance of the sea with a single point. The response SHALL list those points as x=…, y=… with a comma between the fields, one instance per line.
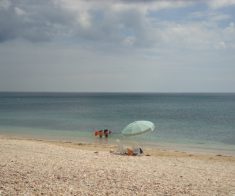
x=203, y=122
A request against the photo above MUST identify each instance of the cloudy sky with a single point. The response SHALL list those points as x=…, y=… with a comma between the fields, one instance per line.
x=117, y=45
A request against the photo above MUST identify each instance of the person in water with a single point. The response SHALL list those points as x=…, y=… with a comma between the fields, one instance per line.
x=96, y=132
x=106, y=133
x=101, y=133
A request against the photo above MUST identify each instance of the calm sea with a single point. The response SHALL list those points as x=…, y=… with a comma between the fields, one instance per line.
x=199, y=121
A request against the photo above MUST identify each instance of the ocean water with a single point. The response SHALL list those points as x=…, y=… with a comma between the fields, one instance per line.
x=197, y=120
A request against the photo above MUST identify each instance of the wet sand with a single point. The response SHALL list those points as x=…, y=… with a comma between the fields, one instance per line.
x=38, y=167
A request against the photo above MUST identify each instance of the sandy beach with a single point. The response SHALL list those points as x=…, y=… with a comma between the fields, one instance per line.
x=33, y=167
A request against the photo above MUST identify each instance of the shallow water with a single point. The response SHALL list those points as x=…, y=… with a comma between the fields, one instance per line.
x=202, y=121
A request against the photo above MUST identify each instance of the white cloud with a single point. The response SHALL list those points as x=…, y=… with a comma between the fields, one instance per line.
x=115, y=24
x=216, y=4
x=5, y=4
x=19, y=11
x=122, y=5
x=210, y=15
x=78, y=17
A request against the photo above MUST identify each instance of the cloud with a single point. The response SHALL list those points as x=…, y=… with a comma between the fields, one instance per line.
x=216, y=4
x=114, y=24
x=212, y=16
x=80, y=20
x=33, y=20
x=5, y=4
x=75, y=45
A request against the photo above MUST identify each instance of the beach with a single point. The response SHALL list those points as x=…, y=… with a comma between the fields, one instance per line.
x=39, y=167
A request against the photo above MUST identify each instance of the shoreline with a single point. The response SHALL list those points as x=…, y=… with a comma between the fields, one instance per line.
x=196, y=147
x=149, y=150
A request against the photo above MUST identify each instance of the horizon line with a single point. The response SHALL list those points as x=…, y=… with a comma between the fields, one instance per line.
x=127, y=92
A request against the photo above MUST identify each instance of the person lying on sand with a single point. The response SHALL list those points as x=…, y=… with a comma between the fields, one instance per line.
x=134, y=152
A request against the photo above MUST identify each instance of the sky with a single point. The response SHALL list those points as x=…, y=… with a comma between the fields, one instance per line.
x=117, y=45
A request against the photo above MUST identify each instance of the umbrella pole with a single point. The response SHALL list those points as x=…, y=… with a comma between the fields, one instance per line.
x=120, y=147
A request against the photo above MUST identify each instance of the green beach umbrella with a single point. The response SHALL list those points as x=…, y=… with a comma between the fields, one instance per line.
x=138, y=127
